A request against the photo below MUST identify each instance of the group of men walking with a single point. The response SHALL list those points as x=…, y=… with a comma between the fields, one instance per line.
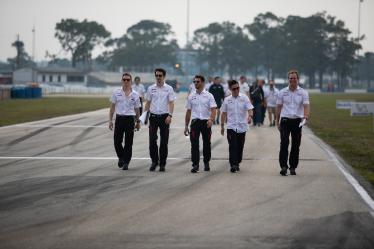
x=235, y=105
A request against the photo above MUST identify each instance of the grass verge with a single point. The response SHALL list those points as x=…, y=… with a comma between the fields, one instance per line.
x=14, y=111
x=351, y=137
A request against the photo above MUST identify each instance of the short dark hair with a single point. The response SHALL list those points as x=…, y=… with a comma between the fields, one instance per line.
x=217, y=78
x=293, y=71
x=137, y=78
x=161, y=70
x=200, y=77
x=127, y=74
x=232, y=82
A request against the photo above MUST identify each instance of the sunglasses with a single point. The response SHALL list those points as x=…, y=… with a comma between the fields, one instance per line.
x=159, y=75
x=196, y=81
x=234, y=88
x=125, y=79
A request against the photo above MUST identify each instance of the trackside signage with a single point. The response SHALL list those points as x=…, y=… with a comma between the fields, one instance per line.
x=362, y=108
x=344, y=104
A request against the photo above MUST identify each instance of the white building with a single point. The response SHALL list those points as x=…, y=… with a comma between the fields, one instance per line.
x=54, y=75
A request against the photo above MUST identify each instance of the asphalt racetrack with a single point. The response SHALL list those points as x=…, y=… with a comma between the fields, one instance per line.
x=60, y=187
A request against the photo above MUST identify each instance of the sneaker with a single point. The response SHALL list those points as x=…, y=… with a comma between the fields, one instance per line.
x=125, y=166
x=153, y=167
x=206, y=167
x=292, y=171
x=195, y=169
x=120, y=163
x=283, y=172
x=162, y=168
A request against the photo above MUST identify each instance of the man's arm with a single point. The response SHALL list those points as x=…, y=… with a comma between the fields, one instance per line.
x=111, y=113
x=171, y=110
x=250, y=116
x=306, y=111
x=187, y=119
x=223, y=119
x=277, y=114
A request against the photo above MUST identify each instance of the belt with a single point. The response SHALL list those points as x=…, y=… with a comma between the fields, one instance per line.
x=124, y=116
x=159, y=115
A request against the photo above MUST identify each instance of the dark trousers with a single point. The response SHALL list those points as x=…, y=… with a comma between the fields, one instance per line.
x=257, y=115
x=288, y=126
x=236, y=146
x=124, y=125
x=155, y=122
x=141, y=106
x=200, y=126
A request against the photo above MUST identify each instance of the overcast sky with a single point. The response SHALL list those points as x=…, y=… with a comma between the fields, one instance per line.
x=19, y=16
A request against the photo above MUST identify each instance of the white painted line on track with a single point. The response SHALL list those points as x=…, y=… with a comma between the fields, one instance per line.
x=77, y=158
x=75, y=126
x=356, y=185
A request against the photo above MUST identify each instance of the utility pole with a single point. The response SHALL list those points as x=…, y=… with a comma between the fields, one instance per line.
x=33, y=43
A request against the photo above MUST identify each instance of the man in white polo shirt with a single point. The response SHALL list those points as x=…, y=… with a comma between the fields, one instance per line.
x=292, y=110
x=244, y=87
x=126, y=104
x=139, y=88
x=202, y=107
x=160, y=102
x=238, y=109
x=271, y=101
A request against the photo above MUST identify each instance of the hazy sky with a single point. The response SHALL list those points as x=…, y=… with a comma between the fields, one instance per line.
x=19, y=16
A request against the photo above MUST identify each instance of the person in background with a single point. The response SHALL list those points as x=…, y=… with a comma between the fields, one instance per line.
x=244, y=87
x=219, y=95
x=126, y=104
x=139, y=88
x=238, y=110
x=271, y=100
x=292, y=109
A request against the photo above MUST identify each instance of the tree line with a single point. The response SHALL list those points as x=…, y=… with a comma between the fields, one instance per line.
x=316, y=45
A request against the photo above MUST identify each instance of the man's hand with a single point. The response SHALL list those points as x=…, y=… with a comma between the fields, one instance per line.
x=137, y=126
x=168, y=120
x=249, y=119
x=222, y=130
x=186, y=131
x=209, y=123
x=278, y=124
x=111, y=125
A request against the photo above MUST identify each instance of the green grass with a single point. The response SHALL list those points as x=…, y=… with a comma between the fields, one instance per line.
x=351, y=137
x=14, y=111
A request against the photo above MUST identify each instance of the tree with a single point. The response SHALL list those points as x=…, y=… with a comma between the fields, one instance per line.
x=80, y=38
x=22, y=59
x=145, y=44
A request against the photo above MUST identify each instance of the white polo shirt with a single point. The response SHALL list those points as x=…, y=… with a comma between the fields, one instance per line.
x=244, y=88
x=293, y=102
x=160, y=98
x=125, y=105
x=200, y=104
x=237, y=112
x=271, y=96
x=139, y=89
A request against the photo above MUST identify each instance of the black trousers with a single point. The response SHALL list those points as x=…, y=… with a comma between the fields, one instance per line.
x=141, y=106
x=236, y=146
x=158, y=122
x=124, y=125
x=288, y=126
x=200, y=126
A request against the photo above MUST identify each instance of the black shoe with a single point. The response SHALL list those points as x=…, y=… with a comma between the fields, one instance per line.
x=120, y=163
x=162, y=168
x=292, y=171
x=237, y=168
x=125, y=166
x=195, y=169
x=206, y=167
x=283, y=172
x=233, y=170
x=153, y=167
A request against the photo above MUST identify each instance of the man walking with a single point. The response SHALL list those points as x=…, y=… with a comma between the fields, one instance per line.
x=244, y=87
x=238, y=110
x=292, y=109
x=202, y=107
x=160, y=102
x=125, y=103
